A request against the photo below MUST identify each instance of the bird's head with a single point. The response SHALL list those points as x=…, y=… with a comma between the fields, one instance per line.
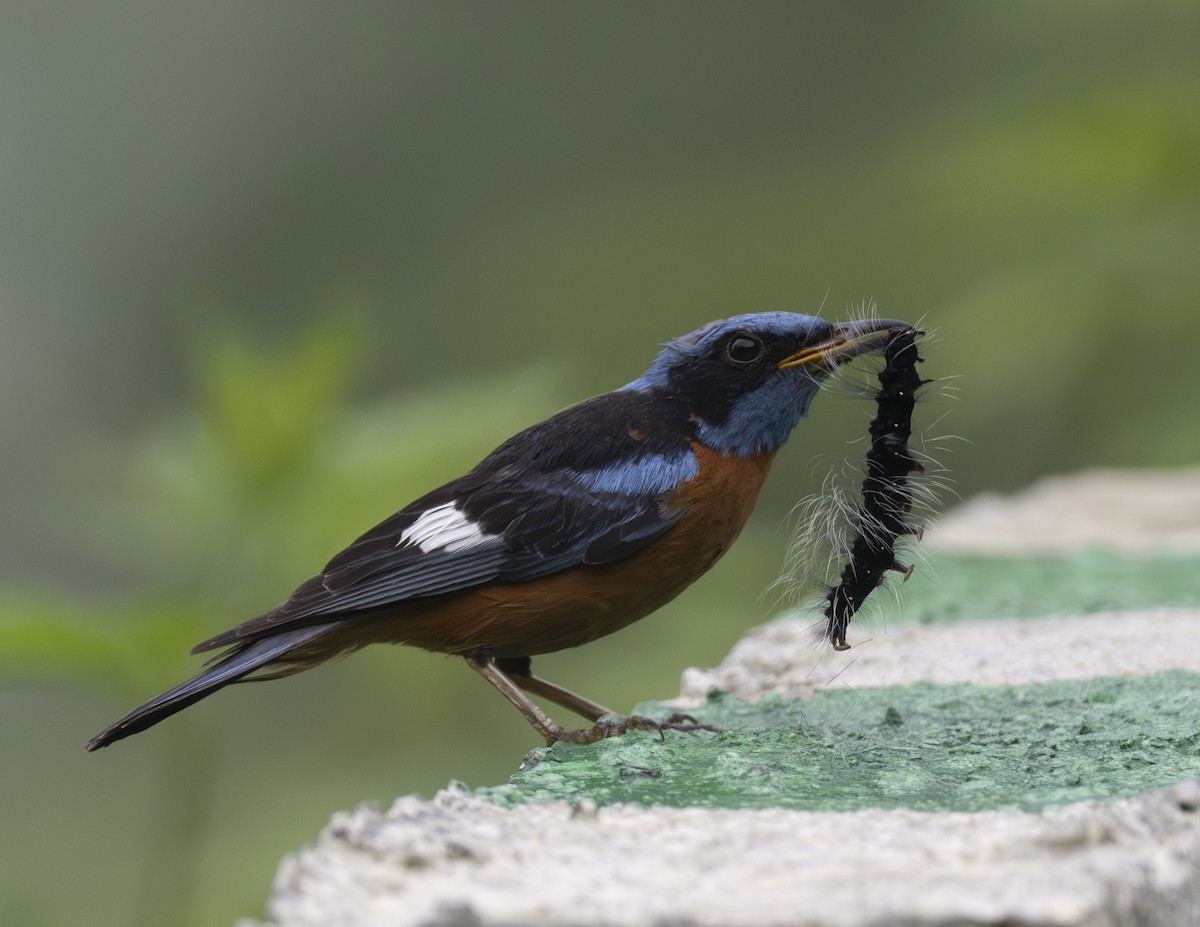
x=747, y=380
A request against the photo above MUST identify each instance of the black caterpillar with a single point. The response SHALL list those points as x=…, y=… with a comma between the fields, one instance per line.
x=887, y=496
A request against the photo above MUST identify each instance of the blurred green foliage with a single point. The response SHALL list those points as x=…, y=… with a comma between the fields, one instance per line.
x=264, y=414
x=501, y=210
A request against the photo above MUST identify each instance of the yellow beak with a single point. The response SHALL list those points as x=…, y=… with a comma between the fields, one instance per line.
x=849, y=339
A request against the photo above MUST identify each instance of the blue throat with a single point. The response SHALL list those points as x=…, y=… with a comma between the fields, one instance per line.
x=758, y=422
x=761, y=421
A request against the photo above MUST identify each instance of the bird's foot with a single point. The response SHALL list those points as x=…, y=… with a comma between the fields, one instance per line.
x=682, y=722
x=614, y=726
x=608, y=726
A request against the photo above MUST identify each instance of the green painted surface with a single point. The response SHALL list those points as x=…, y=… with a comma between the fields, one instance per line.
x=926, y=747
x=955, y=588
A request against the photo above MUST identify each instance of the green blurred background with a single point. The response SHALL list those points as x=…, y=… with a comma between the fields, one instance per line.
x=270, y=270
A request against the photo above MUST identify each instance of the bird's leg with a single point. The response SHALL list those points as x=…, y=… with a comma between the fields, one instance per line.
x=518, y=670
x=511, y=675
x=482, y=662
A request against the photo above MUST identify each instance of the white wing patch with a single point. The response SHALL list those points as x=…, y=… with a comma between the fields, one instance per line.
x=443, y=527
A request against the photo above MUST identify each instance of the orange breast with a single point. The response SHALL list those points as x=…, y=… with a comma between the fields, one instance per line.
x=581, y=604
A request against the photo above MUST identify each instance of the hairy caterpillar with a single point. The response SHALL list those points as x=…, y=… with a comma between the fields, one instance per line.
x=886, y=494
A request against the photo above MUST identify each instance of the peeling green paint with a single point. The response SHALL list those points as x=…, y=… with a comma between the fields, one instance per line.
x=956, y=588
x=924, y=747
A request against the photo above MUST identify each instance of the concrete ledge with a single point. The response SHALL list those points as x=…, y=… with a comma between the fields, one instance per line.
x=780, y=658
x=1132, y=511
x=461, y=861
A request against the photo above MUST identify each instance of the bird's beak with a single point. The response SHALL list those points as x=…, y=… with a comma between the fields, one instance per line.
x=848, y=339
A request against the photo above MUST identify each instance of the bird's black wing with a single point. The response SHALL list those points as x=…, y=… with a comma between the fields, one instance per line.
x=516, y=517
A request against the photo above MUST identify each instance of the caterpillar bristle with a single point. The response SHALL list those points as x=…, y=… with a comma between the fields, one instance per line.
x=869, y=516
x=887, y=494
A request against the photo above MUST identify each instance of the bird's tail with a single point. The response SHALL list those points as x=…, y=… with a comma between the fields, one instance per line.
x=228, y=669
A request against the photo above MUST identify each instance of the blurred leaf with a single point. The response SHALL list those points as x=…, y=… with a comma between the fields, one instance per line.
x=224, y=512
x=123, y=650
x=265, y=411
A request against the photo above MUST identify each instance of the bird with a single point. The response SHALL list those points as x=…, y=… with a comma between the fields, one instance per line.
x=570, y=530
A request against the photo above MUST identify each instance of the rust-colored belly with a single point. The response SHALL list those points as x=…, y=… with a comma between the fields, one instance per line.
x=583, y=603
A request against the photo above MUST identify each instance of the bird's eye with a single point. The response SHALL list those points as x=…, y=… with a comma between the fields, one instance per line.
x=743, y=349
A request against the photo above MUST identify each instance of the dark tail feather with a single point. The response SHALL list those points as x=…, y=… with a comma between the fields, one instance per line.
x=220, y=674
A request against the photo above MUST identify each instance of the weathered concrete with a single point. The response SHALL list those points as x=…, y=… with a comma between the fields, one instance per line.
x=1133, y=511
x=781, y=658
x=460, y=861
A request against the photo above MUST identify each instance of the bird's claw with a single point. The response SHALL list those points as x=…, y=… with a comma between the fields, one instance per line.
x=678, y=721
x=615, y=726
